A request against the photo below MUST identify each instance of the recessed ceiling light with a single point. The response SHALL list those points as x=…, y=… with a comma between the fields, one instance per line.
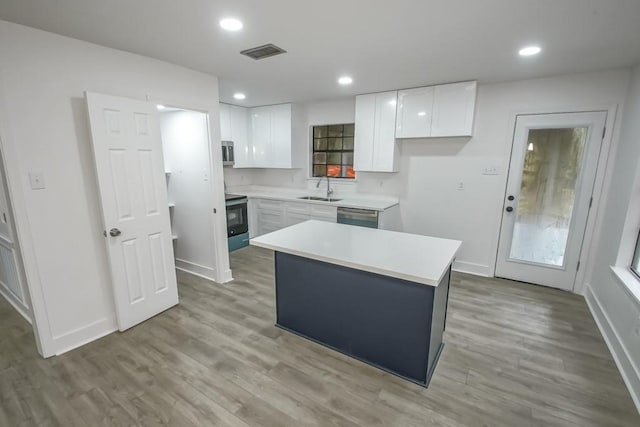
x=345, y=80
x=239, y=96
x=393, y=102
x=160, y=107
x=231, y=24
x=422, y=113
x=529, y=50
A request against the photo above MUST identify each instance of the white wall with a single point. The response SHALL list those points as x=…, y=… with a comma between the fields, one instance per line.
x=185, y=142
x=43, y=122
x=430, y=169
x=612, y=303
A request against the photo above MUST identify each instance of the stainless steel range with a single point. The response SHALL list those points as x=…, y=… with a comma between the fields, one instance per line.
x=237, y=221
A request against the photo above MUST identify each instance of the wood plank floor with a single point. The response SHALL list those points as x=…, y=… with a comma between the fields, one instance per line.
x=515, y=355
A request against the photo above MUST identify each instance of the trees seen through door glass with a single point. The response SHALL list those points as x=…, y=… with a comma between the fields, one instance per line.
x=547, y=194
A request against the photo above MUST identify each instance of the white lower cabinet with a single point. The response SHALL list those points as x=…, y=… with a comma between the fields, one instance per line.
x=272, y=215
x=323, y=213
x=269, y=216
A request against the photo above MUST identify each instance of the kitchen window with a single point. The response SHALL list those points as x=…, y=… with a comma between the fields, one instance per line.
x=635, y=264
x=332, y=153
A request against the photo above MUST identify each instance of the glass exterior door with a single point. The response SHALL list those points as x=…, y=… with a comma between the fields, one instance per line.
x=553, y=164
x=544, y=209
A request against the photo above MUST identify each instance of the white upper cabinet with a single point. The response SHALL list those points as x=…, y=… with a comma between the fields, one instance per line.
x=364, y=132
x=260, y=136
x=225, y=123
x=281, y=151
x=436, y=111
x=240, y=136
x=375, y=147
x=234, y=122
x=270, y=137
x=415, y=109
x=454, y=109
x=385, y=149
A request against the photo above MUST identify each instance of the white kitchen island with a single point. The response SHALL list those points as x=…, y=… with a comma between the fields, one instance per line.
x=378, y=296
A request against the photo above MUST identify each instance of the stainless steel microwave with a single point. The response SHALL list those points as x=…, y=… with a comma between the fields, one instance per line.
x=228, y=158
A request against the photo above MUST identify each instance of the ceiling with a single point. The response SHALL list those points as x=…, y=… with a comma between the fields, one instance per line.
x=382, y=44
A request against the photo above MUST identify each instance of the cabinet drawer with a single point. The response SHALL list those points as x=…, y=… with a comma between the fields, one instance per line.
x=328, y=212
x=269, y=204
x=271, y=216
x=299, y=208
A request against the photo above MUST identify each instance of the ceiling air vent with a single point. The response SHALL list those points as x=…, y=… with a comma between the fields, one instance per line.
x=264, y=51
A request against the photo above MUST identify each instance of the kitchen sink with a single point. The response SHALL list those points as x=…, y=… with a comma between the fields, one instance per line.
x=322, y=199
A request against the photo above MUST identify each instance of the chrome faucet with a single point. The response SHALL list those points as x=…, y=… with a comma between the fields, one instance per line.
x=329, y=189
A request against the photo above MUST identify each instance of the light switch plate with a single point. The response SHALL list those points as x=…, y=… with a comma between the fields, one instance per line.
x=36, y=179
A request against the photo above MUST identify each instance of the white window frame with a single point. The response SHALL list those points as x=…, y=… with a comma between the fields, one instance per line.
x=628, y=242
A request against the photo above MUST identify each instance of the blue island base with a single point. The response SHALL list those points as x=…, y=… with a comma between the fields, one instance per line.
x=392, y=324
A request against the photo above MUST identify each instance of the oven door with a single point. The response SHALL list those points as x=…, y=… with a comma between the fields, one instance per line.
x=237, y=221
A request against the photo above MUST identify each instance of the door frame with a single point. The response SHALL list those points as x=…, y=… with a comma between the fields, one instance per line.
x=607, y=148
x=219, y=217
x=23, y=303
x=17, y=205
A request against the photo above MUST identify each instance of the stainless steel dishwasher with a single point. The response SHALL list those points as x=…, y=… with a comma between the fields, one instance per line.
x=359, y=217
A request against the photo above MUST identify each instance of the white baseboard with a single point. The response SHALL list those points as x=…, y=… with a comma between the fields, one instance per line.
x=84, y=335
x=196, y=269
x=628, y=370
x=471, y=268
x=226, y=276
x=15, y=302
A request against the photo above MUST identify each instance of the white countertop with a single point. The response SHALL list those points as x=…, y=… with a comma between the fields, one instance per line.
x=411, y=257
x=359, y=201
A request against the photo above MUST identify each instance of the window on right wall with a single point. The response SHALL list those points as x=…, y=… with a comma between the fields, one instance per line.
x=332, y=154
x=635, y=264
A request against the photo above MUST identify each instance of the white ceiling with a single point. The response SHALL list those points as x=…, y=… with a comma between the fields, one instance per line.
x=383, y=44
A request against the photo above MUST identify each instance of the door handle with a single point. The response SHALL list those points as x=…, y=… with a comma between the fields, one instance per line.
x=509, y=209
x=114, y=232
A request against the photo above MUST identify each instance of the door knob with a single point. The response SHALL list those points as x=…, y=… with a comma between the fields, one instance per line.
x=114, y=232
x=510, y=198
x=509, y=209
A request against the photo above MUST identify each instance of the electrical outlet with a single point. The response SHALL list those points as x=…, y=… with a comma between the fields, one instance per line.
x=491, y=170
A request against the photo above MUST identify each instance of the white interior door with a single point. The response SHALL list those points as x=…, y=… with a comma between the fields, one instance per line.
x=553, y=167
x=13, y=284
x=128, y=155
